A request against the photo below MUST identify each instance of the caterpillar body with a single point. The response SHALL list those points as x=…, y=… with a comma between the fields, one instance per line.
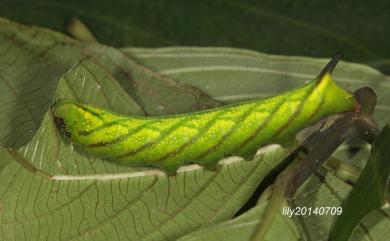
x=202, y=137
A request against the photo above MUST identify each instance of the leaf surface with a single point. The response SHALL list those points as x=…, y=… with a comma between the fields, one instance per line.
x=52, y=190
x=282, y=27
x=370, y=190
x=321, y=190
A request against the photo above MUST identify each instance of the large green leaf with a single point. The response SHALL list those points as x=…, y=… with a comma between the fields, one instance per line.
x=282, y=27
x=50, y=189
x=370, y=190
x=48, y=193
x=321, y=190
x=240, y=229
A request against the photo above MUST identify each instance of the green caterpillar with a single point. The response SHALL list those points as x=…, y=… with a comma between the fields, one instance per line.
x=203, y=137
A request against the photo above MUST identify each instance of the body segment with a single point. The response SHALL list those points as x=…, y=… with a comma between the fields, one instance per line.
x=202, y=137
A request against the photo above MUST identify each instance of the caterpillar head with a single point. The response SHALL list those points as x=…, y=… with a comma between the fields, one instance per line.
x=72, y=118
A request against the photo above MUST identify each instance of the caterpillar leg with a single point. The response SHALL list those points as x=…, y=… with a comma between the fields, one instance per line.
x=211, y=166
x=170, y=170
